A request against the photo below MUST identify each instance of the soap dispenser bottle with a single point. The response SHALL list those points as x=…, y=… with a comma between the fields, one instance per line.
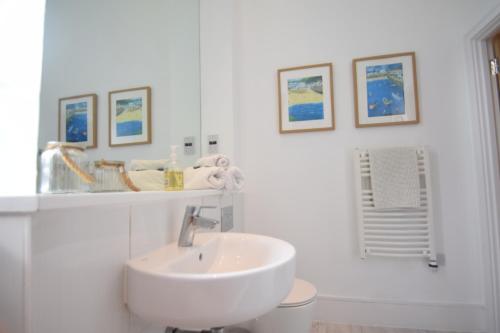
x=174, y=176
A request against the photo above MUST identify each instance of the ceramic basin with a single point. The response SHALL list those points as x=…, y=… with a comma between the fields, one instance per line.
x=223, y=279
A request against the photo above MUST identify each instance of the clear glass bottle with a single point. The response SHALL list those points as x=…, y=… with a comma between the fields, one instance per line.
x=64, y=168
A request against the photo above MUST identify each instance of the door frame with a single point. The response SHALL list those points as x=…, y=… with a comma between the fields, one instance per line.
x=482, y=107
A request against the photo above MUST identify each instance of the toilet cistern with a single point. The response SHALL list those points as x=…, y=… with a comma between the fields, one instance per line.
x=192, y=221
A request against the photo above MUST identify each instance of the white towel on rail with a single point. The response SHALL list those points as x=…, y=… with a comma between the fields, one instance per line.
x=394, y=178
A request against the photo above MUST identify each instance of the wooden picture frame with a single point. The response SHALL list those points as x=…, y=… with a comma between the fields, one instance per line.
x=77, y=120
x=129, y=117
x=385, y=90
x=306, y=99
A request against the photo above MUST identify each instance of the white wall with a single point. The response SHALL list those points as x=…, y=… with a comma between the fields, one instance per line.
x=217, y=98
x=100, y=46
x=300, y=186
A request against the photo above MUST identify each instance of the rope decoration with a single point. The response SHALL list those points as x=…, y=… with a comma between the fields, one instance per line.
x=126, y=180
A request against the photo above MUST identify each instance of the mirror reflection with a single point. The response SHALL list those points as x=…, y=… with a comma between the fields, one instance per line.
x=122, y=76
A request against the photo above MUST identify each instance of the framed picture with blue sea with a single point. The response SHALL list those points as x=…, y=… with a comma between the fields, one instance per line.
x=306, y=98
x=130, y=117
x=78, y=120
x=385, y=90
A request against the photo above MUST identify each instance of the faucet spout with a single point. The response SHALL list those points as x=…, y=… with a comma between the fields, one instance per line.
x=192, y=221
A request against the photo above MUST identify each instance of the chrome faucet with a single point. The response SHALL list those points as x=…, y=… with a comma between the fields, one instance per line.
x=192, y=221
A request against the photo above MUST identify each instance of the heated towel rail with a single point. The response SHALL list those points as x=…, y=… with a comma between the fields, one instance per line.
x=399, y=232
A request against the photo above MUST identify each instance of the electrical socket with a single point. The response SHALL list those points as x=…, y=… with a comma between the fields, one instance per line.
x=189, y=145
x=213, y=144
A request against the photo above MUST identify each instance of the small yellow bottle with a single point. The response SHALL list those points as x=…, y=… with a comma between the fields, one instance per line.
x=174, y=176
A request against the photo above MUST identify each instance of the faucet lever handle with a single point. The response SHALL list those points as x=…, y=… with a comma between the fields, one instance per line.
x=203, y=222
x=199, y=208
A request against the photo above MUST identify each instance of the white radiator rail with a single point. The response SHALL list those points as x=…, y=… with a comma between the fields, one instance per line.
x=402, y=232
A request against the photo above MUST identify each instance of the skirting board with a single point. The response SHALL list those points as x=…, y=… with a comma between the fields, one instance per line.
x=456, y=317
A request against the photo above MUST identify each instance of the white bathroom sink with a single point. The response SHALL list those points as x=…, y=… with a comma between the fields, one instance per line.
x=223, y=279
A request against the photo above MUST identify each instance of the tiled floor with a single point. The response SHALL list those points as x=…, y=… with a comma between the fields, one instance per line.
x=321, y=327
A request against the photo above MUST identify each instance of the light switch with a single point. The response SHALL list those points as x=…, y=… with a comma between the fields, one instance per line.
x=213, y=144
x=189, y=145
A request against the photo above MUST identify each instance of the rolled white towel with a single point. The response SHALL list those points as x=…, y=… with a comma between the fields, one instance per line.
x=218, y=160
x=204, y=178
x=138, y=165
x=148, y=180
x=233, y=179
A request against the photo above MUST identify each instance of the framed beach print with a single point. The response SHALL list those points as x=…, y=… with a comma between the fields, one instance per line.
x=385, y=90
x=130, y=117
x=306, y=98
x=78, y=120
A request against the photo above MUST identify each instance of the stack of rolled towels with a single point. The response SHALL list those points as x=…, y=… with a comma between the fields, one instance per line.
x=210, y=172
x=213, y=172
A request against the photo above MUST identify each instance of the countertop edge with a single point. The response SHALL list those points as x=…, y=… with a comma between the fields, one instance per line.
x=38, y=202
x=18, y=204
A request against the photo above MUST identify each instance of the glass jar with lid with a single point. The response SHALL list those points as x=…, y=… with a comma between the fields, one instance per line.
x=64, y=168
x=111, y=176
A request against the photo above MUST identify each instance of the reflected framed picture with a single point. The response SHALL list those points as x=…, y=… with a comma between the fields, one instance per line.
x=130, y=117
x=306, y=98
x=78, y=120
x=385, y=90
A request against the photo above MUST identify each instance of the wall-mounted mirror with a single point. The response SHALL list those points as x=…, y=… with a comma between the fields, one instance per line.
x=96, y=47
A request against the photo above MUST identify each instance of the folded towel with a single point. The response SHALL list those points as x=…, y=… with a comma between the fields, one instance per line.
x=138, y=165
x=204, y=178
x=218, y=160
x=148, y=180
x=234, y=179
x=394, y=177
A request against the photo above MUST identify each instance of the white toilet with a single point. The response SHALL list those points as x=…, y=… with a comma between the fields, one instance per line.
x=293, y=315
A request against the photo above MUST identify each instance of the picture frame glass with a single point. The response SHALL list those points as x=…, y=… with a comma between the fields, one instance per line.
x=306, y=98
x=76, y=120
x=129, y=117
x=386, y=92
